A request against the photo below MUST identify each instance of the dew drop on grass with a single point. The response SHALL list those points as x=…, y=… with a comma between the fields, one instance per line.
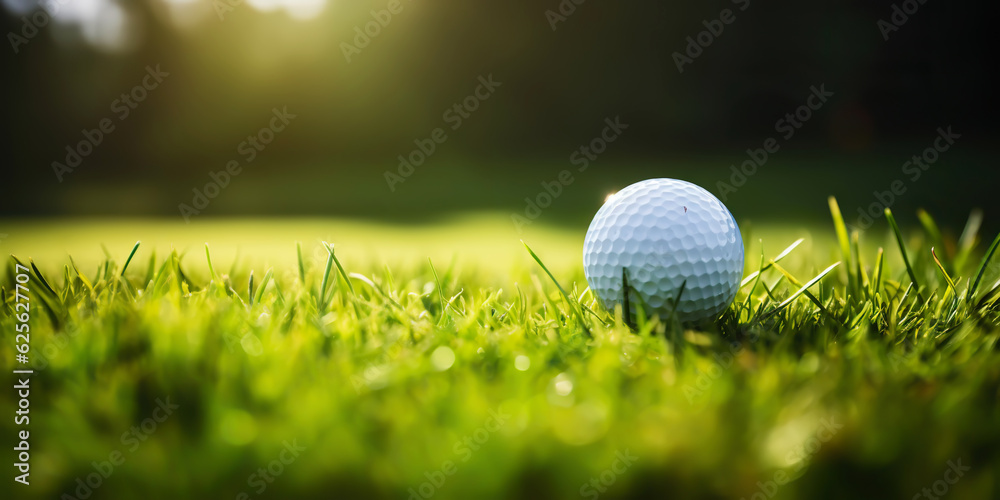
x=564, y=387
x=522, y=363
x=442, y=358
x=560, y=390
x=252, y=345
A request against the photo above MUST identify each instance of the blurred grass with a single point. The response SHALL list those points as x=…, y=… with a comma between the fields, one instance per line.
x=485, y=240
x=471, y=238
x=868, y=396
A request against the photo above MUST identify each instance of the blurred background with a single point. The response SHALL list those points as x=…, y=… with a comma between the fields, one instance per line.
x=283, y=121
x=361, y=101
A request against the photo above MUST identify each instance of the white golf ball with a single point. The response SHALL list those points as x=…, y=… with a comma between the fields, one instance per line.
x=665, y=233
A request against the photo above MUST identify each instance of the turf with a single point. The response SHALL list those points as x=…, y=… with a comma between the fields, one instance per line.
x=845, y=368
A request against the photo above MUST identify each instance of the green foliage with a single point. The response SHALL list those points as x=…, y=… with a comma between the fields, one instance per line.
x=383, y=376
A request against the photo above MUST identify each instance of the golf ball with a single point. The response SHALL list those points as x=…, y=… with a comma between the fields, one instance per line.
x=665, y=233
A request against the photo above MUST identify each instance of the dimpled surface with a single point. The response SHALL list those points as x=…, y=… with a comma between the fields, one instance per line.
x=665, y=232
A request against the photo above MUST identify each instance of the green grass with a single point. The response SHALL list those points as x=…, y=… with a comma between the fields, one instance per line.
x=852, y=366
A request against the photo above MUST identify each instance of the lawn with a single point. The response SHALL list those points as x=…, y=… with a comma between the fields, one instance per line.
x=443, y=361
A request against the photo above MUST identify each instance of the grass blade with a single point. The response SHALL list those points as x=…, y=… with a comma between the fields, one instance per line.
x=150, y=270
x=208, y=257
x=931, y=227
x=302, y=266
x=810, y=296
x=968, y=240
x=340, y=268
x=377, y=288
x=437, y=282
x=989, y=297
x=982, y=266
x=326, y=279
x=902, y=251
x=569, y=301
x=42, y=279
x=951, y=283
x=877, y=273
x=626, y=307
x=83, y=278
x=780, y=256
x=756, y=277
x=680, y=292
x=859, y=268
x=129, y=259
x=250, y=289
x=800, y=291
x=263, y=285
x=842, y=239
